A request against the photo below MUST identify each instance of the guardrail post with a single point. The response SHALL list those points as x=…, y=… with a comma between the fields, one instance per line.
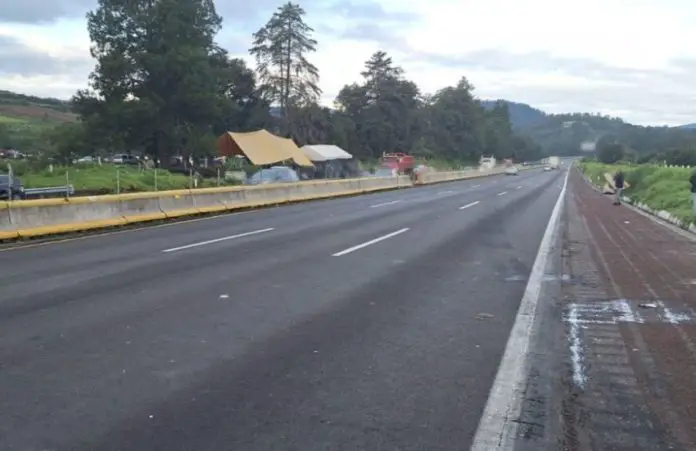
x=10, y=181
x=67, y=184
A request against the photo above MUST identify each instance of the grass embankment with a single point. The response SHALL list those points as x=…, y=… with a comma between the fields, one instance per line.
x=658, y=187
x=93, y=180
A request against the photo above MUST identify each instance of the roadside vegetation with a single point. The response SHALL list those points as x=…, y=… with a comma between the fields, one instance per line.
x=659, y=187
x=108, y=178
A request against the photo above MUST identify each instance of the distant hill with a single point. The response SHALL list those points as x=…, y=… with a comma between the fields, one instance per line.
x=19, y=107
x=564, y=134
x=24, y=119
x=521, y=114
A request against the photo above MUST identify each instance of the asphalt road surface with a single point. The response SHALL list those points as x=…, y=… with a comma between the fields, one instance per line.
x=374, y=323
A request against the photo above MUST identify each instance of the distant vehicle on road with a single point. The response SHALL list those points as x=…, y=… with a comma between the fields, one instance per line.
x=16, y=190
x=547, y=168
x=554, y=162
x=512, y=170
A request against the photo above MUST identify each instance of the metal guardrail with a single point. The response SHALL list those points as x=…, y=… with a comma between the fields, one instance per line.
x=67, y=190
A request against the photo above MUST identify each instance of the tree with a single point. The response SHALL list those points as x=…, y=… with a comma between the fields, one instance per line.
x=5, y=138
x=242, y=105
x=385, y=108
x=281, y=48
x=67, y=141
x=611, y=153
x=157, y=82
x=457, y=123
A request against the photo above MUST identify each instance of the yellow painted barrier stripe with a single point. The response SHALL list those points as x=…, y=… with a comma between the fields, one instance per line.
x=184, y=212
x=72, y=227
x=144, y=217
x=8, y=234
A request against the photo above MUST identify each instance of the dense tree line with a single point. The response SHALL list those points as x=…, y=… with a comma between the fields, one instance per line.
x=163, y=86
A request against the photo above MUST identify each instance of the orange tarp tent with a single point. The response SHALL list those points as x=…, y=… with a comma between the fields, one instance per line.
x=261, y=148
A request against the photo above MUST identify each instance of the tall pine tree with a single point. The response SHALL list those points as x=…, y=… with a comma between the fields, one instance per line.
x=281, y=48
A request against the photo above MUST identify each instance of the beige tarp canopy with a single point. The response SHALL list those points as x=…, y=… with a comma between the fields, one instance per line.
x=261, y=148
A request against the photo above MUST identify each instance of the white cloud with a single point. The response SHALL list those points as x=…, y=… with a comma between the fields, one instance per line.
x=634, y=59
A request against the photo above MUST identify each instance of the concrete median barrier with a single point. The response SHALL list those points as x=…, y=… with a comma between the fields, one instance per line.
x=177, y=203
x=7, y=229
x=32, y=218
x=451, y=176
x=50, y=216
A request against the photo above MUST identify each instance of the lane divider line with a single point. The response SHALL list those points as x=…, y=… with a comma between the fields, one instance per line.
x=217, y=240
x=385, y=203
x=503, y=193
x=371, y=242
x=519, y=187
x=499, y=424
x=476, y=186
x=469, y=205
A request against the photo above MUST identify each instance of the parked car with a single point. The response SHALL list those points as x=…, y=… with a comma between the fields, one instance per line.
x=274, y=174
x=86, y=160
x=17, y=188
x=124, y=158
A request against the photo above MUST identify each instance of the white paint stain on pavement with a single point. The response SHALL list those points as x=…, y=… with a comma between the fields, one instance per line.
x=674, y=317
x=576, y=355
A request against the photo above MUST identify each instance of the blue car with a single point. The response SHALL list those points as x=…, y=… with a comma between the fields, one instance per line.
x=16, y=191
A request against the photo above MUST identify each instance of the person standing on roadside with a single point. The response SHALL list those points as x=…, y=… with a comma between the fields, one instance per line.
x=693, y=190
x=618, y=186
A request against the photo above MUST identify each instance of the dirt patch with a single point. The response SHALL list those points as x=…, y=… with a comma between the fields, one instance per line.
x=37, y=112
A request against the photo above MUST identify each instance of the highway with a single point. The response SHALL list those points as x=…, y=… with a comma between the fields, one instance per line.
x=374, y=322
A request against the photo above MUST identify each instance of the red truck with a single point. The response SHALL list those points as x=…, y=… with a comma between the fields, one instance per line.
x=399, y=162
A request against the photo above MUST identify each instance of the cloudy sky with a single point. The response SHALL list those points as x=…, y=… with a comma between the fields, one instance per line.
x=630, y=58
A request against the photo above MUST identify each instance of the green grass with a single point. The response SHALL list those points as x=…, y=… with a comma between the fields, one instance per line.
x=658, y=187
x=11, y=121
x=94, y=180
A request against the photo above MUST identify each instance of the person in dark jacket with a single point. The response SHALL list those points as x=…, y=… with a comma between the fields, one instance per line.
x=619, y=186
x=693, y=190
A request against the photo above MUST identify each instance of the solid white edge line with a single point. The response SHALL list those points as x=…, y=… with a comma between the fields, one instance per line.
x=385, y=203
x=503, y=193
x=469, y=205
x=217, y=240
x=368, y=243
x=498, y=424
